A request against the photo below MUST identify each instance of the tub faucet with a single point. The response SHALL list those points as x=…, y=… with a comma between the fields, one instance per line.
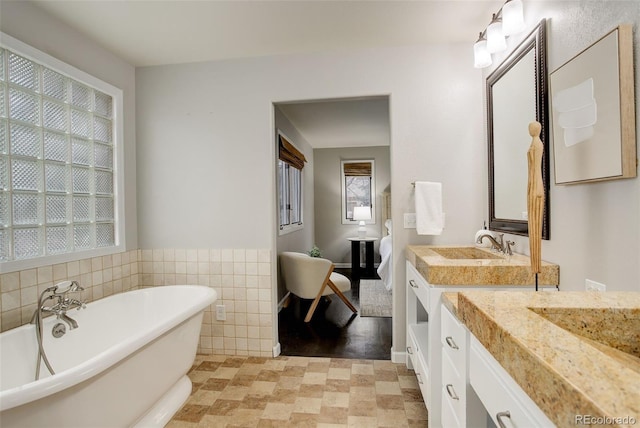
x=70, y=321
x=499, y=244
x=59, y=293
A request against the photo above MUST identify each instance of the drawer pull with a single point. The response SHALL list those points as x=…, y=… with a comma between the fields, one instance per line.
x=451, y=343
x=452, y=392
x=409, y=351
x=419, y=376
x=413, y=284
x=500, y=415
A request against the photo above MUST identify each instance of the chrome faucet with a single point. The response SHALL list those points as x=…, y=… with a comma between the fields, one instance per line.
x=499, y=244
x=59, y=293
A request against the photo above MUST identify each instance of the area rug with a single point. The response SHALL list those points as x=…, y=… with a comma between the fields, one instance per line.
x=375, y=300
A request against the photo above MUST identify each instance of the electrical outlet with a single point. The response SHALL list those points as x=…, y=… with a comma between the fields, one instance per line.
x=590, y=285
x=409, y=220
x=221, y=313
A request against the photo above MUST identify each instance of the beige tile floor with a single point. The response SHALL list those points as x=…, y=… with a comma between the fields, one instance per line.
x=300, y=392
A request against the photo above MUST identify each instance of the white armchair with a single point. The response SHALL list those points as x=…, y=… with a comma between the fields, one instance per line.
x=311, y=278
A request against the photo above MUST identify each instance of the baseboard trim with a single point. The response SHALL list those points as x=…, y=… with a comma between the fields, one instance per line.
x=276, y=350
x=398, y=357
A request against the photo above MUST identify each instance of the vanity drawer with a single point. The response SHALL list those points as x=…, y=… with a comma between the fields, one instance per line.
x=453, y=336
x=449, y=419
x=417, y=283
x=418, y=350
x=453, y=389
x=422, y=374
x=504, y=400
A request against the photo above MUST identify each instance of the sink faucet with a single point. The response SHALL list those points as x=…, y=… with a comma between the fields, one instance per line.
x=499, y=244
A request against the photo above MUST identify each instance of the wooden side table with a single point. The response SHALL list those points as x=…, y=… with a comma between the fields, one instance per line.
x=369, y=271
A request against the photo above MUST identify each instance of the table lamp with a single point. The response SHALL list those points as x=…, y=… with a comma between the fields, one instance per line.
x=361, y=214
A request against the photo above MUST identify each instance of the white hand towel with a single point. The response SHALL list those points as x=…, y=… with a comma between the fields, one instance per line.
x=429, y=219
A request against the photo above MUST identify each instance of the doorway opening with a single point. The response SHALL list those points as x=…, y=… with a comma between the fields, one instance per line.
x=328, y=133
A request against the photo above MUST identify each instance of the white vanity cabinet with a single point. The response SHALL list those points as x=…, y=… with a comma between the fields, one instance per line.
x=460, y=405
x=425, y=354
x=506, y=404
x=418, y=330
x=442, y=371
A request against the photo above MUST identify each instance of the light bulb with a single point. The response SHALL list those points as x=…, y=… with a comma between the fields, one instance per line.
x=481, y=57
x=495, y=37
x=512, y=17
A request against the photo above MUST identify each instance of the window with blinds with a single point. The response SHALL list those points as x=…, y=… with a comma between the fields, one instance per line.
x=357, y=187
x=57, y=161
x=290, y=164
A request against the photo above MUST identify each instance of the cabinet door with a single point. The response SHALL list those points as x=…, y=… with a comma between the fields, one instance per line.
x=453, y=339
x=416, y=282
x=506, y=403
x=453, y=390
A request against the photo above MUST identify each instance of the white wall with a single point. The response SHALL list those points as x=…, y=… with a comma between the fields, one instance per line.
x=331, y=234
x=300, y=240
x=30, y=25
x=595, y=228
x=205, y=140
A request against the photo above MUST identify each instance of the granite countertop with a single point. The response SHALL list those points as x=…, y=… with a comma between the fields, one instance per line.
x=573, y=353
x=450, y=300
x=492, y=269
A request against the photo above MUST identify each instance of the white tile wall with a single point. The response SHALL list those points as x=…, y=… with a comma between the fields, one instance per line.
x=242, y=278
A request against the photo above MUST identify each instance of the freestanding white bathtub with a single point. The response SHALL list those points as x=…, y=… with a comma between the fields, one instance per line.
x=125, y=364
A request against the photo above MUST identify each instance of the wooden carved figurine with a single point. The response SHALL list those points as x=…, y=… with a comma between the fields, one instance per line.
x=535, y=196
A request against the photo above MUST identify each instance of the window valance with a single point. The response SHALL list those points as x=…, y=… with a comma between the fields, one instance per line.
x=289, y=154
x=357, y=169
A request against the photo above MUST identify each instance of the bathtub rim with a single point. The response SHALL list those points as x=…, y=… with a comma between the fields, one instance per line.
x=35, y=390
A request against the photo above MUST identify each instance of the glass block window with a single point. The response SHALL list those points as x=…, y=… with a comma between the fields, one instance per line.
x=57, y=162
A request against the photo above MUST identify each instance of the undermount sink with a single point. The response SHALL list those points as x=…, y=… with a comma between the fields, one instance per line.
x=465, y=253
x=615, y=328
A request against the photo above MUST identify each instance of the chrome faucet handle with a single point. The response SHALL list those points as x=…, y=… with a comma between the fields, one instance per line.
x=66, y=287
x=507, y=247
x=79, y=304
x=68, y=304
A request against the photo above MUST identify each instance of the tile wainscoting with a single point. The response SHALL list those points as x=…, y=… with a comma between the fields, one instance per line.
x=242, y=278
x=99, y=276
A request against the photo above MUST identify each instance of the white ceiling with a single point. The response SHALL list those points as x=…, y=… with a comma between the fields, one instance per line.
x=151, y=32
x=341, y=123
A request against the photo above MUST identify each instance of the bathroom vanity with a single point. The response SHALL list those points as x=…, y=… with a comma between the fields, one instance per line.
x=498, y=354
x=438, y=345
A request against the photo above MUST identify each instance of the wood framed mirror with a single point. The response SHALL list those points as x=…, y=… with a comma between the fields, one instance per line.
x=517, y=95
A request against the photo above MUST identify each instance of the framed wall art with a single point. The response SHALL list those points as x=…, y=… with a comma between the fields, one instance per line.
x=593, y=113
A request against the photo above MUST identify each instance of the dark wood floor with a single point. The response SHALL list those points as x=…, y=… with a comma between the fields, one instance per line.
x=334, y=331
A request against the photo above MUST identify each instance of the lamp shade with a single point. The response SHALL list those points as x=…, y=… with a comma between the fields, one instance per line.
x=512, y=17
x=362, y=213
x=481, y=56
x=495, y=37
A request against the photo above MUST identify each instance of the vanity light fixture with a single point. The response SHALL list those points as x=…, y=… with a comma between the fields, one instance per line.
x=509, y=20
x=481, y=56
x=496, y=41
x=512, y=17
